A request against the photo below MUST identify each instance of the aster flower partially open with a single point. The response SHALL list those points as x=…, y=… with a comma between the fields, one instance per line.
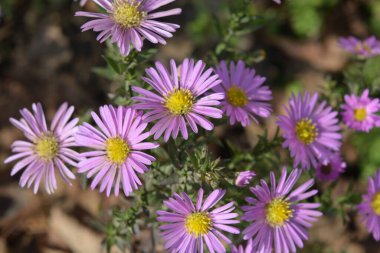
x=359, y=112
x=332, y=169
x=47, y=149
x=370, y=206
x=181, y=98
x=311, y=131
x=244, y=178
x=116, y=158
x=190, y=226
x=279, y=219
x=130, y=21
x=368, y=48
x=241, y=249
x=245, y=95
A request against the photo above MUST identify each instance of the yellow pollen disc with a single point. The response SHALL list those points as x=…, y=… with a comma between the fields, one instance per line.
x=236, y=96
x=375, y=204
x=198, y=224
x=306, y=131
x=117, y=150
x=47, y=147
x=363, y=46
x=360, y=114
x=128, y=14
x=179, y=102
x=278, y=212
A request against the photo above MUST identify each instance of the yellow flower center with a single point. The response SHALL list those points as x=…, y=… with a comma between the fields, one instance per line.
x=278, y=212
x=179, y=102
x=127, y=14
x=117, y=150
x=360, y=114
x=236, y=96
x=306, y=131
x=47, y=147
x=375, y=204
x=198, y=224
x=363, y=46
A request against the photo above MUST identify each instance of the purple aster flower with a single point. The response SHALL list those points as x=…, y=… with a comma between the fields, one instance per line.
x=130, y=21
x=370, y=206
x=47, y=149
x=331, y=170
x=190, y=226
x=244, y=178
x=311, y=131
x=240, y=248
x=180, y=98
x=279, y=220
x=245, y=95
x=117, y=157
x=367, y=48
x=359, y=113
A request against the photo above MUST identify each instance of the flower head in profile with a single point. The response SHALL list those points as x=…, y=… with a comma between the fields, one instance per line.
x=279, y=220
x=191, y=226
x=367, y=48
x=179, y=98
x=244, y=178
x=47, y=149
x=359, y=112
x=277, y=1
x=311, y=130
x=240, y=248
x=130, y=21
x=116, y=156
x=370, y=206
x=245, y=95
x=331, y=170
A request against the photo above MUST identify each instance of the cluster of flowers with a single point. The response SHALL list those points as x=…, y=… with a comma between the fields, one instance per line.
x=182, y=98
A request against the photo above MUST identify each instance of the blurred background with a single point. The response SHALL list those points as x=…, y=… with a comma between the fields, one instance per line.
x=45, y=58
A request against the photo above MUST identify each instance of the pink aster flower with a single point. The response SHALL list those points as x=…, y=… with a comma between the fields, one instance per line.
x=180, y=98
x=190, y=226
x=240, y=248
x=244, y=178
x=311, y=131
x=331, y=170
x=245, y=95
x=130, y=21
x=370, y=206
x=359, y=113
x=47, y=149
x=279, y=220
x=116, y=156
x=367, y=48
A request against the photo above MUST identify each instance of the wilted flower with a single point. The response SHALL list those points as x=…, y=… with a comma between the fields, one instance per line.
x=367, y=48
x=245, y=95
x=311, y=131
x=117, y=145
x=244, y=178
x=190, y=226
x=279, y=220
x=359, y=112
x=370, y=206
x=130, y=21
x=332, y=169
x=47, y=149
x=180, y=98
